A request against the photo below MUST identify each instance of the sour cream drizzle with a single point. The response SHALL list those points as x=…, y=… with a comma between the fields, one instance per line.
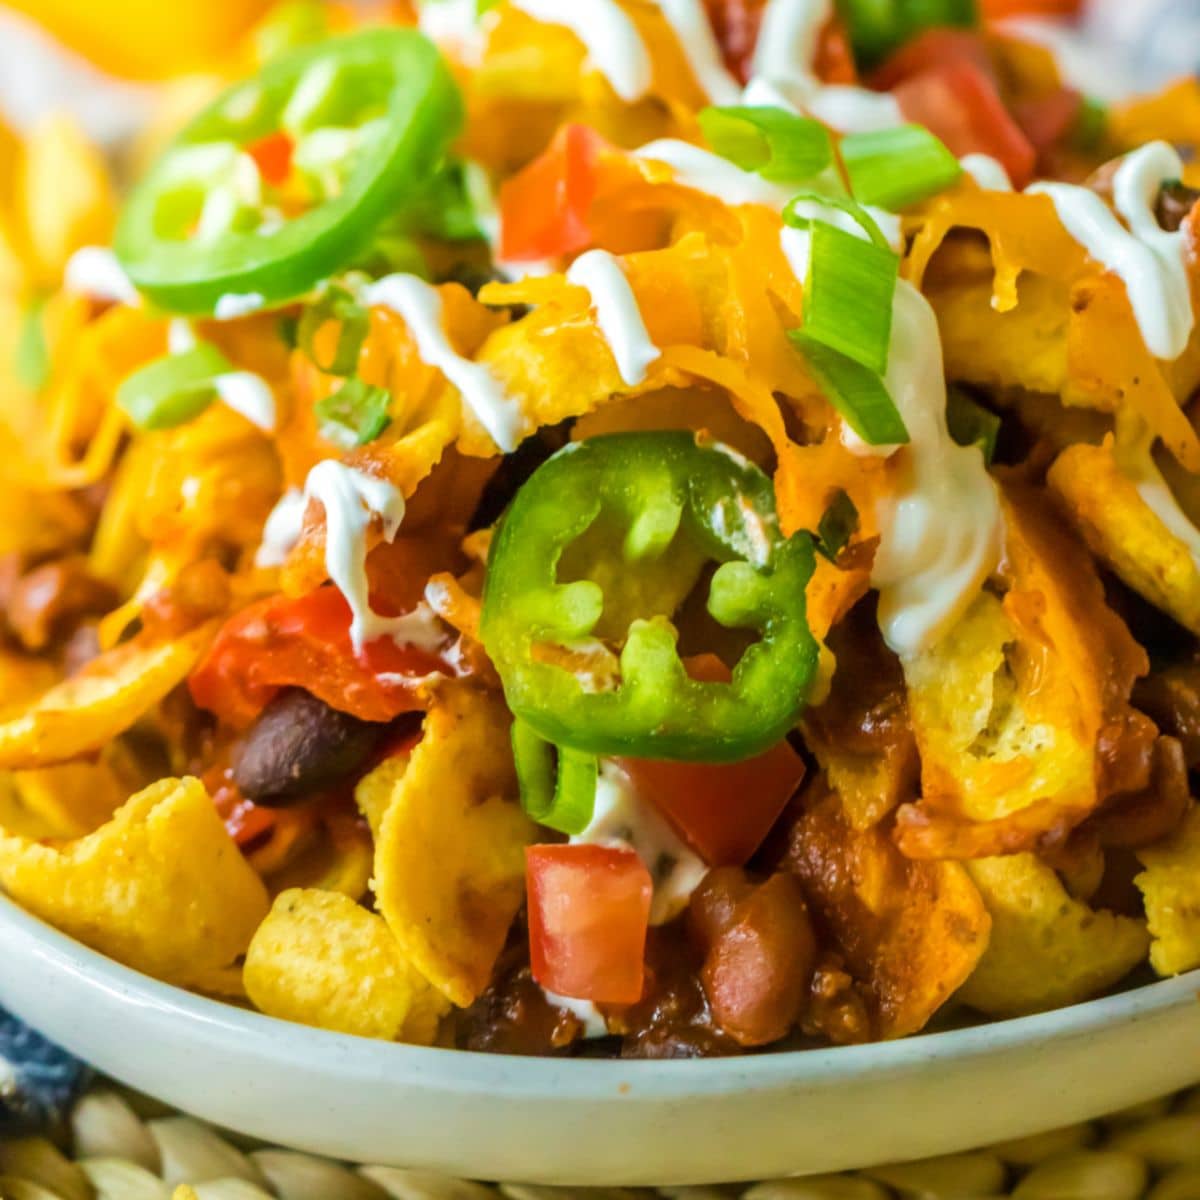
x=617, y=313
x=243, y=391
x=421, y=307
x=351, y=500
x=250, y=395
x=608, y=33
x=1137, y=464
x=623, y=818
x=942, y=530
x=706, y=172
x=1148, y=259
x=94, y=271
x=694, y=32
x=988, y=172
x=788, y=39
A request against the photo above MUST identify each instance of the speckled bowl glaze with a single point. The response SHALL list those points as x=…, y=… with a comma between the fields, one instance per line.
x=570, y=1121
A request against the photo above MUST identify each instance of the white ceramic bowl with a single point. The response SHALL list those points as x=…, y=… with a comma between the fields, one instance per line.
x=570, y=1121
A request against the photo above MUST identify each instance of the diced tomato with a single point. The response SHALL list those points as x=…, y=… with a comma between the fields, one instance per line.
x=959, y=102
x=722, y=810
x=997, y=9
x=544, y=207
x=932, y=48
x=589, y=909
x=305, y=642
x=273, y=156
x=1047, y=120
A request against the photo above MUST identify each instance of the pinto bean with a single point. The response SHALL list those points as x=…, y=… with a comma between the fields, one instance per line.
x=1175, y=201
x=300, y=746
x=760, y=952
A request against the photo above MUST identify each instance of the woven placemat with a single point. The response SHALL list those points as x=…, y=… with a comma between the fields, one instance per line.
x=120, y=1146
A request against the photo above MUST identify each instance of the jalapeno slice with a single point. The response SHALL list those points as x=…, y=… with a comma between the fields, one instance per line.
x=635, y=502
x=374, y=111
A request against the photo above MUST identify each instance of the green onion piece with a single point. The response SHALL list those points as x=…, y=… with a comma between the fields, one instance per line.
x=877, y=27
x=560, y=795
x=32, y=358
x=172, y=390
x=1091, y=126
x=971, y=424
x=335, y=304
x=358, y=411
x=794, y=215
x=300, y=23
x=443, y=209
x=837, y=525
x=779, y=145
x=895, y=168
x=848, y=295
x=857, y=392
x=289, y=330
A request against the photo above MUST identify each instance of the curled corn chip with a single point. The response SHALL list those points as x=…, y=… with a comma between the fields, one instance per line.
x=338, y=859
x=449, y=858
x=911, y=931
x=82, y=713
x=1120, y=528
x=76, y=798
x=1011, y=708
x=321, y=959
x=161, y=887
x=1047, y=950
x=1170, y=885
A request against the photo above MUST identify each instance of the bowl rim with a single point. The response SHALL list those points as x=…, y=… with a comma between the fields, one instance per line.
x=515, y=1075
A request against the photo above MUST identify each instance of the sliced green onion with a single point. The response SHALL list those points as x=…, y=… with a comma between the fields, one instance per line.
x=894, y=168
x=857, y=392
x=300, y=23
x=558, y=788
x=848, y=295
x=1091, y=126
x=173, y=390
x=289, y=330
x=794, y=215
x=877, y=27
x=837, y=525
x=443, y=209
x=357, y=411
x=335, y=304
x=32, y=358
x=778, y=144
x=971, y=424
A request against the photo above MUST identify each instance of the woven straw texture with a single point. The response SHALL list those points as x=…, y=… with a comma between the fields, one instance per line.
x=124, y=1148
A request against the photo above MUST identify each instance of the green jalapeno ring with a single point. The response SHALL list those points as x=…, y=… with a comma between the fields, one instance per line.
x=398, y=71
x=654, y=485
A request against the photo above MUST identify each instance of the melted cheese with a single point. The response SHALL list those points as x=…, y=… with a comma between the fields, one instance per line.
x=421, y=308
x=94, y=271
x=614, y=46
x=623, y=818
x=942, y=528
x=617, y=314
x=1148, y=260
